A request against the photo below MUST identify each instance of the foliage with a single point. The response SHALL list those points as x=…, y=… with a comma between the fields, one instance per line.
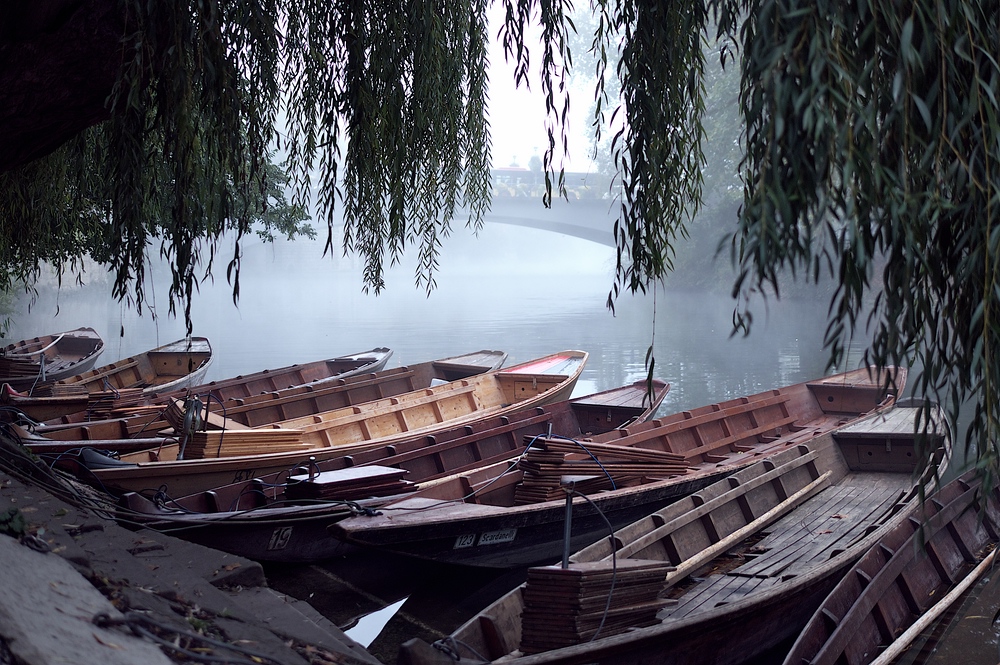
x=388, y=101
x=657, y=151
x=873, y=139
x=12, y=523
x=870, y=134
x=84, y=218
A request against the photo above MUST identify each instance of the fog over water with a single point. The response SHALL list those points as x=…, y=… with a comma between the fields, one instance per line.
x=525, y=291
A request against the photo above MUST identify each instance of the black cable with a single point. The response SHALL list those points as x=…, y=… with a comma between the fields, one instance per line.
x=22, y=464
x=614, y=560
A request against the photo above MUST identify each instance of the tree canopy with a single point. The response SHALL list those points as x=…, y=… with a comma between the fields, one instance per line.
x=871, y=143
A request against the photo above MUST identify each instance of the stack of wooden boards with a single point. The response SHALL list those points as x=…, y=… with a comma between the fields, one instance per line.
x=567, y=606
x=347, y=484
x=15, y=367
x=590, y=466
x=238, y=442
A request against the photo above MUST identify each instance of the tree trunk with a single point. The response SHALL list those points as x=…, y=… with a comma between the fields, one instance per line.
x=59, y=60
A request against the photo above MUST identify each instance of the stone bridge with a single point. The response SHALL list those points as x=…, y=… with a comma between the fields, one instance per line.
x=589, y=213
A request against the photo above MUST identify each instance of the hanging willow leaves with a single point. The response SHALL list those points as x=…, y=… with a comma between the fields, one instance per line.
x=871, y=149
x=872, y=152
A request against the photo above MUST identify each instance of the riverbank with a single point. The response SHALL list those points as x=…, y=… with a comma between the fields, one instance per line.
x=78, y=588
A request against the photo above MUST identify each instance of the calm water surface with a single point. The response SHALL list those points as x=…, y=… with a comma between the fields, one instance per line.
x=526, y=292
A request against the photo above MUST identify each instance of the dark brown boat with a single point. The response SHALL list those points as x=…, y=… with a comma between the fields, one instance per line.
x=506, y=517
x=718, y=577
x=910, y=577
x=284, y=516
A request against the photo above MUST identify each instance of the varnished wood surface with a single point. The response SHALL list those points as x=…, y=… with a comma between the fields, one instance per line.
x=750, y=593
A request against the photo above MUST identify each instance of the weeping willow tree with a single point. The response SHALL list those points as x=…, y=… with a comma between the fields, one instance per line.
x=872, y=153
x=871, y=144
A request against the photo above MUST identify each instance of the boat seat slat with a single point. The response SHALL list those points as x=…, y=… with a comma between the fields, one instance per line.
x=888, y=575
x=358, y=414
x=702, y=510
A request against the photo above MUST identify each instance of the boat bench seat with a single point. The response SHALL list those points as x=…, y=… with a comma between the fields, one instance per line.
x=251, y=497
x=469, y=489
x=658, y=431
x=336, y=418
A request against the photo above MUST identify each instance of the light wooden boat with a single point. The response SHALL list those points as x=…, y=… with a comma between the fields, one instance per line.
x=314, y=373
x=49, y=358
x=259, y=409
x=516, y=515
x=169, y=367
x=126, y=382
x=210, y=458
x=83, y=407
x=284, y=516
x=906, y=580
x=718, y=577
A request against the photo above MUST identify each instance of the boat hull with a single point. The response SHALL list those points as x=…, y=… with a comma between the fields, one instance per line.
x=272, y=535
x=505, y=529
x=511, y=540
x=67, y=353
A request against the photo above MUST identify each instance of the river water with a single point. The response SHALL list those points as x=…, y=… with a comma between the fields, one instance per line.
x=527, y=292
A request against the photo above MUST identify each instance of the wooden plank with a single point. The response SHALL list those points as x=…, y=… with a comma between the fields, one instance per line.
x=658, y=428
x=693, y=563
x=690, y=516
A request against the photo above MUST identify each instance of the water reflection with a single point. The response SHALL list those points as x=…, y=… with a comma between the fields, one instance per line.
x=524, y=291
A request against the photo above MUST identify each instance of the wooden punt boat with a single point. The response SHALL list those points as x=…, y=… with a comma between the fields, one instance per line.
x=210, y=458
x=81, y=407
x=506, y=517
x=49, y=358
x=259, y=409
x=129, y=381
x=169, y=367
x=283, y=517
x=906, y=580
x=717, y=577
x=172, y=366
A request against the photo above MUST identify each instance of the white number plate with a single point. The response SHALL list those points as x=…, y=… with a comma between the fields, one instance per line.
x=486, y=538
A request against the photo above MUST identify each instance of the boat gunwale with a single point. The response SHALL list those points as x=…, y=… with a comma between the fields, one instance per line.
x=924, y=525
x=637, y=637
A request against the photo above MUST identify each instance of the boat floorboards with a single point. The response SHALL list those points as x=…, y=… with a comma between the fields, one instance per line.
x=800, y=541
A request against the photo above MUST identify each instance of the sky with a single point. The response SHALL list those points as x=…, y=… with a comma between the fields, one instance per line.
x=517, y=115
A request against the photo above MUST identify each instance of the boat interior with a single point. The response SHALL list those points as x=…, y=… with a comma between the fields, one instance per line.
x=766, y=527
x=729, y=433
